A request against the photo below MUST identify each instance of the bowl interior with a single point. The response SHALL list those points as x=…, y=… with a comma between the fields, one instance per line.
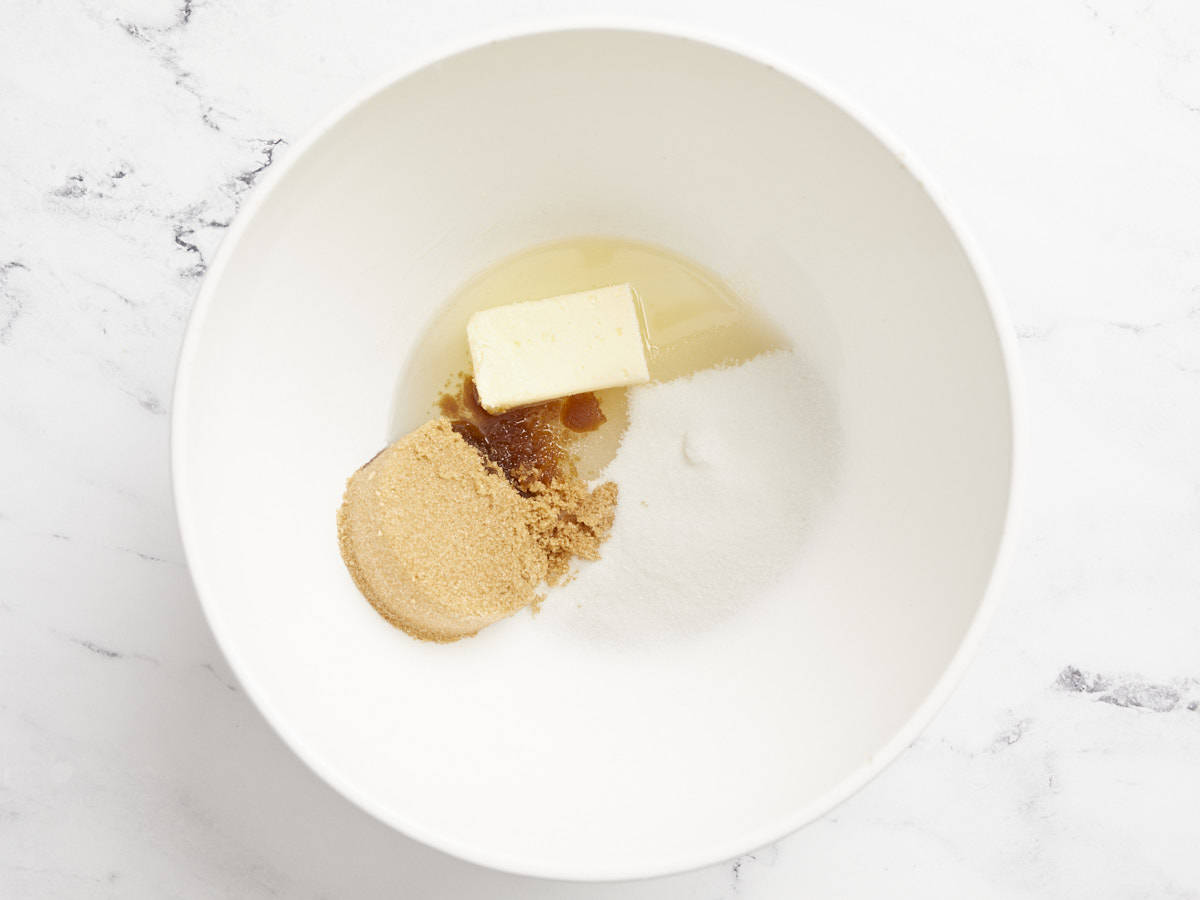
x=532, y=748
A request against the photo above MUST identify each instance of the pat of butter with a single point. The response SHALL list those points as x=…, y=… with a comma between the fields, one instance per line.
x=528, y=352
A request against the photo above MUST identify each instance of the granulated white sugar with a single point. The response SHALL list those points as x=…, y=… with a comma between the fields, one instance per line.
x=721, y=474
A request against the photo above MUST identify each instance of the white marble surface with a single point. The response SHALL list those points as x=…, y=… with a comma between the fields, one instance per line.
x=1068, y=762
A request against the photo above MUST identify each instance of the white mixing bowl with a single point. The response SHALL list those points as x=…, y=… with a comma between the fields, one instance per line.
x=526, y=749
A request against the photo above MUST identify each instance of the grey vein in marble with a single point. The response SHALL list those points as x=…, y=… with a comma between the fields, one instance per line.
x=13, y=303
x=1132, y=692
x=196, y=217
x=158, y=39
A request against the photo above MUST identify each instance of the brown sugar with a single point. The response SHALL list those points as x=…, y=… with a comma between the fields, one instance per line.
x=570, y=521
x=441, y=541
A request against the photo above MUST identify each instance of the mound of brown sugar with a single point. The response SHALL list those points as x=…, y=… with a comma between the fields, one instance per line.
x=442, y=543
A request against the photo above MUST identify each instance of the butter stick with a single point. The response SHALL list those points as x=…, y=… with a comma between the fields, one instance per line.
x=528, y=352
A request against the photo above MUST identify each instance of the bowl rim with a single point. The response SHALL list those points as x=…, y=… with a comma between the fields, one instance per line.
x=750, y=839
